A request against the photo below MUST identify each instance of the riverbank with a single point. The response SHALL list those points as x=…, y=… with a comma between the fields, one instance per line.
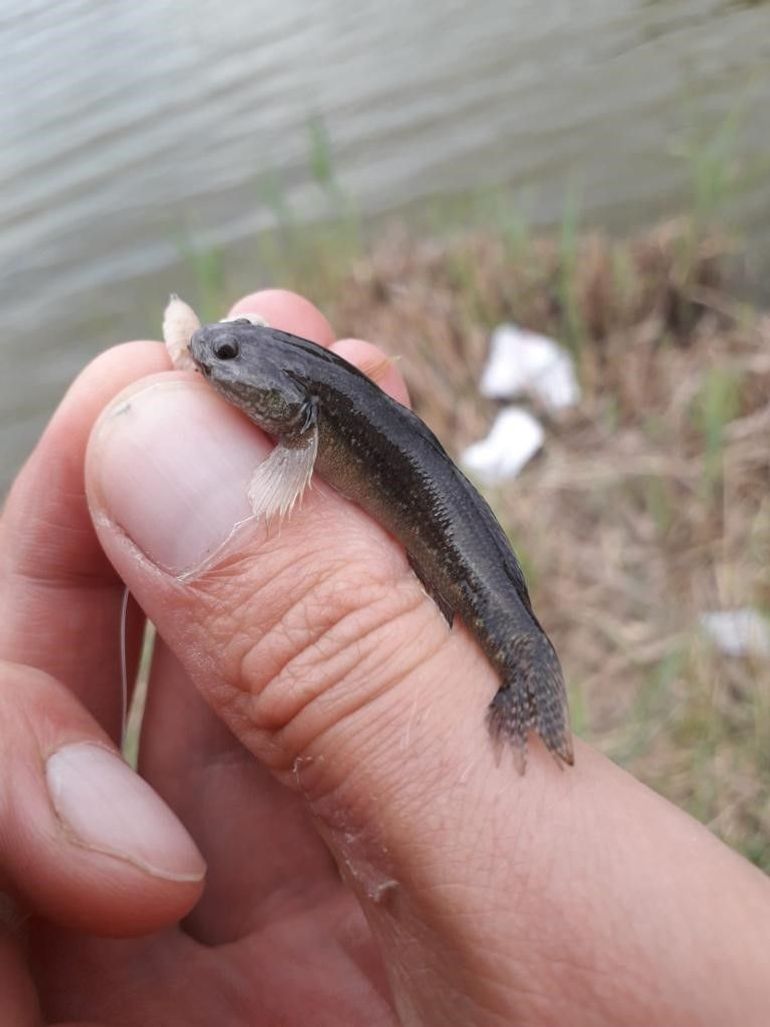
x=649, y=504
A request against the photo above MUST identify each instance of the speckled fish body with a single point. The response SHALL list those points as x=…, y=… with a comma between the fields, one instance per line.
x=325, y=414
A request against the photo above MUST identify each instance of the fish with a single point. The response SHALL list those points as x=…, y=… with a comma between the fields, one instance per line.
x=327, y=417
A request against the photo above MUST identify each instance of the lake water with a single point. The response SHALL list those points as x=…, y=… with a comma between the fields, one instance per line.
x=131, y=130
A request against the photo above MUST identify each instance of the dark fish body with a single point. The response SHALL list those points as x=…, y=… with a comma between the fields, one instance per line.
x=380, y=455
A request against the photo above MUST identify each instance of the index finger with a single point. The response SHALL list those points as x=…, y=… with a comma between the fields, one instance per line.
x=292, y=312
x=60, y=596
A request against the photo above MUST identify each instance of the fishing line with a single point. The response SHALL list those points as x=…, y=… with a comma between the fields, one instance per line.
x=123, y=668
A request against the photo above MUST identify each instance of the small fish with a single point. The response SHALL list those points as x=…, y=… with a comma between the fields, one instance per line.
x=327, y=416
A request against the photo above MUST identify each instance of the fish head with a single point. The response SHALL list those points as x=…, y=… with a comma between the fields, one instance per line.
x=242, y=361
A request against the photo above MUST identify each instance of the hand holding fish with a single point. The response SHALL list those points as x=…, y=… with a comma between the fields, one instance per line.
x=319, y=731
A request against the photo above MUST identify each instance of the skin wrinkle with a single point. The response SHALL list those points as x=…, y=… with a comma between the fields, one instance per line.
x=374, y=741
x=310, y=660
x=326, y=594
x=399, y=679
x=434, y=623
x=351, y=709
x=295, y=684
x=224, y=573
x=276, y=635
x=222, y=561
x=321, y=694
x=365, y=748
x=215, y=612
x=306, y=624
x=267, y=582
x=369, y=748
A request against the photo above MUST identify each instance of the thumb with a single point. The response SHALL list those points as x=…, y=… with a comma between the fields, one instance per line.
x=312, y=637
x=83, y=840
x=317, y=645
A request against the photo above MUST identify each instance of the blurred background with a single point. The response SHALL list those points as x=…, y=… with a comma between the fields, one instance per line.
x=598, y=172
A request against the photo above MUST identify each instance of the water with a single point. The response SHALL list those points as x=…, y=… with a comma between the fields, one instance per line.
x=130, y=129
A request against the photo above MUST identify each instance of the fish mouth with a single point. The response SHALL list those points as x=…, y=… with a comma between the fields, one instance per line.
x=200, y=365
x=199, y=359
x=199, y=351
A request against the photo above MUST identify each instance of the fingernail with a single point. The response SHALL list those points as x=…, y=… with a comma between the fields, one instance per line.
x=110, y=809
x=170, y=464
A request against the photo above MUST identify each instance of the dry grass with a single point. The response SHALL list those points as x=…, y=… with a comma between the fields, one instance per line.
x=650, y=503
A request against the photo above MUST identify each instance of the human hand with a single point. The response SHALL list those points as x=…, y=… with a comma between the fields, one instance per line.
x=458, y=892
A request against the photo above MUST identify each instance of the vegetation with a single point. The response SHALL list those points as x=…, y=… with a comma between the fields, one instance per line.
x=650, y=503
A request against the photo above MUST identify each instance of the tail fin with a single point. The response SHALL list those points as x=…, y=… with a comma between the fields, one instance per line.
x=532, y=698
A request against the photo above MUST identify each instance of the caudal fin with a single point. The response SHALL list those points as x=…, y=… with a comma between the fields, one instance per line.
x=532, y=698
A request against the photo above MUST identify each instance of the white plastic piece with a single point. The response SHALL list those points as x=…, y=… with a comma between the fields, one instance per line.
x=742, y=632
x=514, y=439
x=525, y=362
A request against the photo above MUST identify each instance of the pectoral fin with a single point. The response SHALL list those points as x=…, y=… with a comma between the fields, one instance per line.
x=438, y=597
x=280, y=481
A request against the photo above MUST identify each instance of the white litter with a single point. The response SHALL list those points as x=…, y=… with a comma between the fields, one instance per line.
x=513, y=440
x=525, y=362
x=743, y=632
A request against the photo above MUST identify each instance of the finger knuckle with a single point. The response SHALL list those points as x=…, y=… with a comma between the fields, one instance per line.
x=317, y=645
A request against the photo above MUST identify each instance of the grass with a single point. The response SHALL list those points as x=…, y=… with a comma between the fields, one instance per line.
x=716, y=405
x=650, y=503
x=574, y=329
x=310, y=257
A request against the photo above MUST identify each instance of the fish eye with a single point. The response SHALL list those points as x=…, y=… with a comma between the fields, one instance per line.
x=227, y=349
